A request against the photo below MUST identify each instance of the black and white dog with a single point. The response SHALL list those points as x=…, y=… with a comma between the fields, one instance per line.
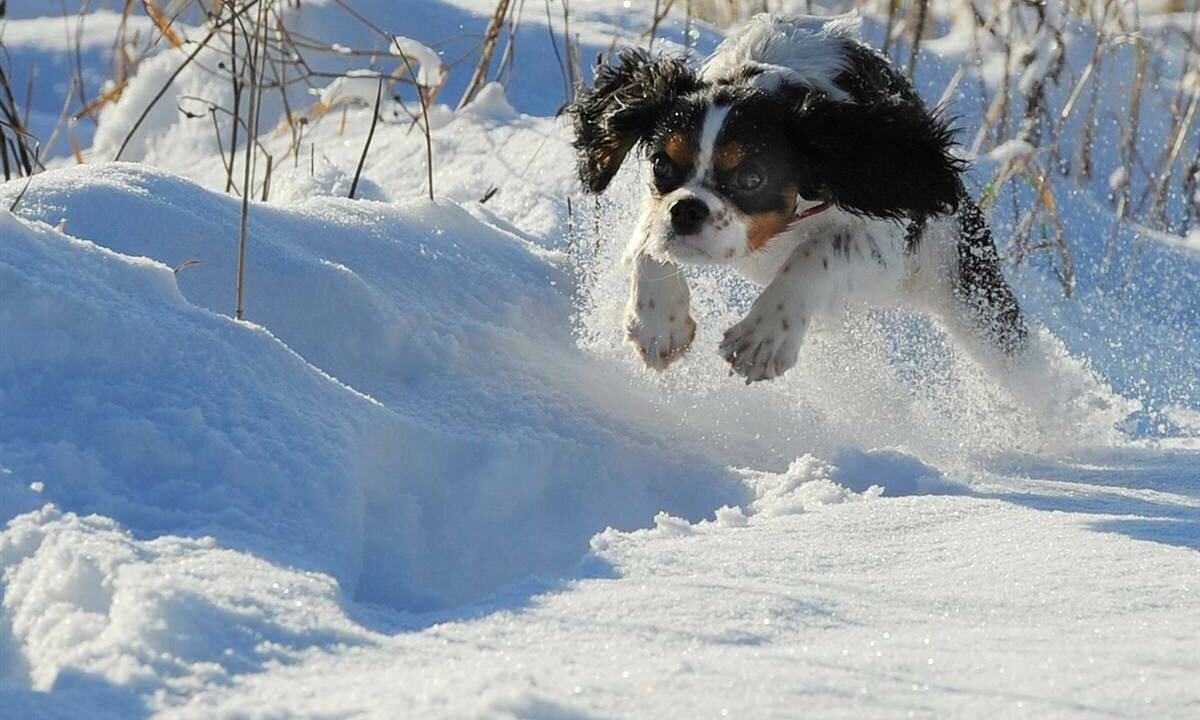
x=800, y=156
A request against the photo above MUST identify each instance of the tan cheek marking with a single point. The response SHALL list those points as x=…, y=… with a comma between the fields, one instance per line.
x=728, y=156
x=764, y=226
x=760, y=228
x=680, y=149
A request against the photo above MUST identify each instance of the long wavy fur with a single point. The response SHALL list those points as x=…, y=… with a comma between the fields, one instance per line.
x=886, y=159
x=627, y=102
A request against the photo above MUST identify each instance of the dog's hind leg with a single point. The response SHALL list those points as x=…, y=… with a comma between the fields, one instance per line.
x=985, y=301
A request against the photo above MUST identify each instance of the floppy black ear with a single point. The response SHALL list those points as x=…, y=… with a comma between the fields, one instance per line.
x=629, y=99
x=886, y=159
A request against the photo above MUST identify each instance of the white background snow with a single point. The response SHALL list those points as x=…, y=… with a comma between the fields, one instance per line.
x=427, y=478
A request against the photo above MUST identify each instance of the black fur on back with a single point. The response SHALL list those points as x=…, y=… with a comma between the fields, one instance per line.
x=629, y=99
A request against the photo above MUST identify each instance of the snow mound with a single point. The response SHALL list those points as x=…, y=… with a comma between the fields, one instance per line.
x=123, y=399
x=460, y=400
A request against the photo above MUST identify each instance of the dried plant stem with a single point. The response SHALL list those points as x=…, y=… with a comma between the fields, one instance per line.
x=14, y=138
x=362, y=159
x=659, y=13
x=1128, y=151
x=217, y=26
x=1166, y=168
x=266, y=186
x=567, y=91
x=485, y=55
x=424, y=117
x=891, y=24
x=922, y=12
x=256, y=49
x=237, y=95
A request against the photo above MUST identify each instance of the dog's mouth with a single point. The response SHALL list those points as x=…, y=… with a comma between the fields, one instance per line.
x=693, y=249
x=686, y=246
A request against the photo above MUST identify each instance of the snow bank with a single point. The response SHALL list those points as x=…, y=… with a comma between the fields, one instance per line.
x=453, y=341
x=122, y=399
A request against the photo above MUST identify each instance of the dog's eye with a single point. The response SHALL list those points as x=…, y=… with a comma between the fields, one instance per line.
x=749, y=178
x=665, y=169
x=666, y=172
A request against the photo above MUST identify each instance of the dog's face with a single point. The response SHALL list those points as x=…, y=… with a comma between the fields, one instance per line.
x=731, y=160
x=725, y=177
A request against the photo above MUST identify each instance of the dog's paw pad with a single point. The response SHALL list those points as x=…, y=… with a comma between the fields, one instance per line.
x=661, y=340
x=762, y=347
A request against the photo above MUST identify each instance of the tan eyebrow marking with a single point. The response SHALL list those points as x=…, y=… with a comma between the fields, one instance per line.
x=729, y=155
x=680, y=149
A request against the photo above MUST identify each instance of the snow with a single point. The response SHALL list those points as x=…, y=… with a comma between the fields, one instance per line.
x=426, y=477
x=429, y=72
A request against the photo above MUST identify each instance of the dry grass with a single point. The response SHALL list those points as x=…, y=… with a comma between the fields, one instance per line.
x=1041, y=97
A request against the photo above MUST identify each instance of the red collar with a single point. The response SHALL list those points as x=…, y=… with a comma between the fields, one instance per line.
x=809, y=212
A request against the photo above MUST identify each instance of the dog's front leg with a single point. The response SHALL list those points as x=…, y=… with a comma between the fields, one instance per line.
x=819, y=274
x=766, y=343
x=658, y=319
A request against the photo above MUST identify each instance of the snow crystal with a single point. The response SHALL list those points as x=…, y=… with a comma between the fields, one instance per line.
x=1118, y=179
x=357, y=87
x=1011, y=150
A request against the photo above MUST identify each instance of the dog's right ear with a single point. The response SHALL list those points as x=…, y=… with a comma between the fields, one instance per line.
x=629, y=99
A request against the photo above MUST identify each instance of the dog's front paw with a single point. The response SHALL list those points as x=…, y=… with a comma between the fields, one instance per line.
x=764, y=345
x=660, y=339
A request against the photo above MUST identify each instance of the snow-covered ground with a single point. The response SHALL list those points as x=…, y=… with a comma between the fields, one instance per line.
x=427, y=478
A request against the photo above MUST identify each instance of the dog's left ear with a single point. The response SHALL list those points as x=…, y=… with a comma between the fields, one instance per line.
x=629, y=99
x=886, y=159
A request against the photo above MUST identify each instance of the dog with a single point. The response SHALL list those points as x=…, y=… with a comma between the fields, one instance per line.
x=800, y=157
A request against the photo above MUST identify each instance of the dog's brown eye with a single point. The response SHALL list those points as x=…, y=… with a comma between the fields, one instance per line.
x=750, y=177
x=664, y=168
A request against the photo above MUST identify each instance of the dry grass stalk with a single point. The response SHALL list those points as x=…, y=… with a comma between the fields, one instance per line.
x=162, y=22
x=1128, y=152
x=425, y=116
x=485, y=55
x=217, y=26
x=256, y=50
x=918, y=32
x=362, y=159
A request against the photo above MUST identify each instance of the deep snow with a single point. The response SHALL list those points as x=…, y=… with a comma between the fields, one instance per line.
x=387, y=493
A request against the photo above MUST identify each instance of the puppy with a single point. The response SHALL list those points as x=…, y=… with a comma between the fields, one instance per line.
x=802, y=158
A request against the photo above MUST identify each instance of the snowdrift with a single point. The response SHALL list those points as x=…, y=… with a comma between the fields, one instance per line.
x=463, y=404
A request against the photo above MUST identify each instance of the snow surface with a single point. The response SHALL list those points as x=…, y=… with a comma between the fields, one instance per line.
x=427, y=478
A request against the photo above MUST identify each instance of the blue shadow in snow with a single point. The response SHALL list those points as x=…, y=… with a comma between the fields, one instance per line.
x=73, y=695
x=1153, y=517
x=513, y=597
x=898, y=473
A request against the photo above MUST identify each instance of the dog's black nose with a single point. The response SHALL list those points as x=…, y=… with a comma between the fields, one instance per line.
x=687, y=215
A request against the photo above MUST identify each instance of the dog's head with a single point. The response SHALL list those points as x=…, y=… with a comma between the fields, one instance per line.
x=732, y=159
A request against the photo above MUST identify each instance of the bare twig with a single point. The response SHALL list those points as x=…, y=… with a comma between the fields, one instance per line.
x=922, y=12
x=255, y=100
x=171, y=80
x=424, y=115
x=362, y=159
x=485, y=55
